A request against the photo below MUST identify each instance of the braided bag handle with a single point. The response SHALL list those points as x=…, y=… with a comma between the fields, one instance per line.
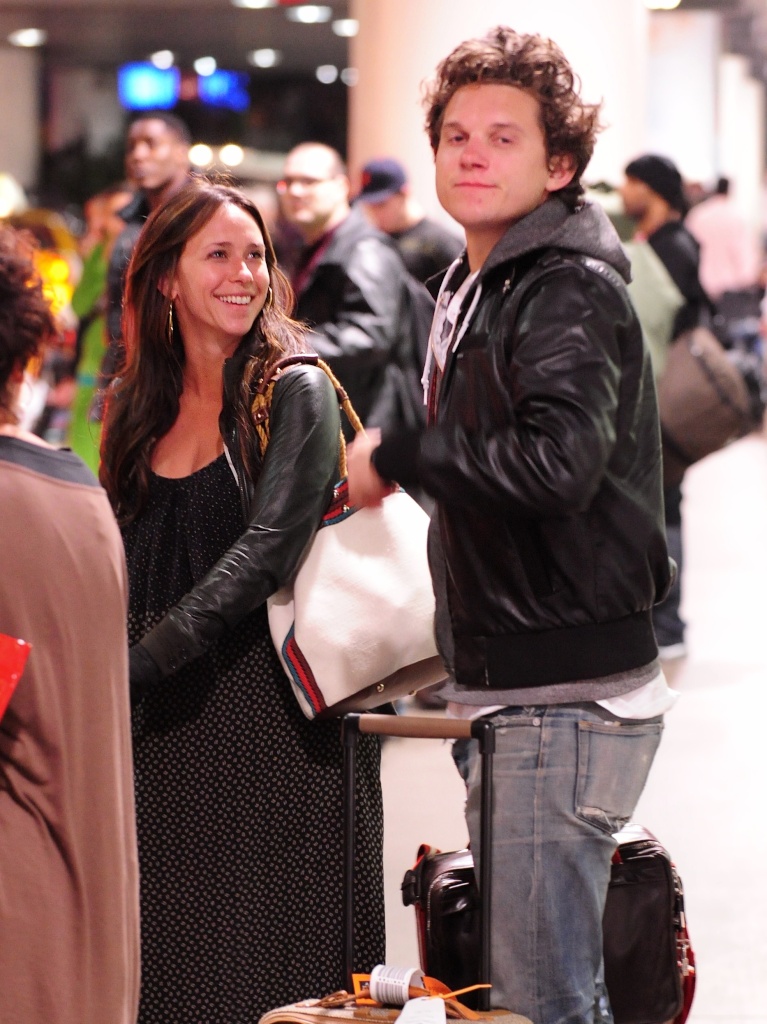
x=262, y=402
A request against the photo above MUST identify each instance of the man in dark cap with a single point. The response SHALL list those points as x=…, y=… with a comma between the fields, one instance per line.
x=425, y=246
x=653, y=194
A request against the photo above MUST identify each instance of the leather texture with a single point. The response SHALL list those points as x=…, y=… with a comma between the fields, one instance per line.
x=358, y=307
x=292, y=491
x=545, y=463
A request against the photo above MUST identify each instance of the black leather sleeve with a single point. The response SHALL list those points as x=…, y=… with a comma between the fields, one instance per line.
x=293, y=491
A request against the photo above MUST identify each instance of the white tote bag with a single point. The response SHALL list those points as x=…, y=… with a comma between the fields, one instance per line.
x=356, y=627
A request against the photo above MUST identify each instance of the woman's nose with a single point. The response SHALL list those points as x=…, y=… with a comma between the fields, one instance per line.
x=244, y=271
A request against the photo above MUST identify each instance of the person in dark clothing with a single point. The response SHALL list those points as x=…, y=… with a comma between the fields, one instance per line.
x=653, y=194
x=350, y=286
x=425, y=246
x=547, y=548
x=157, y=162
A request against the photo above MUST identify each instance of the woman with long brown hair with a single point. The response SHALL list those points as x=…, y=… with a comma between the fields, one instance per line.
x=238, y=795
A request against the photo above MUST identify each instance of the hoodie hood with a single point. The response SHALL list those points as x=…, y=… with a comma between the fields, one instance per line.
x=588, y=230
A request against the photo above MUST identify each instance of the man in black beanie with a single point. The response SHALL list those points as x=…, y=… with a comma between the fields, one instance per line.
x=654, y=195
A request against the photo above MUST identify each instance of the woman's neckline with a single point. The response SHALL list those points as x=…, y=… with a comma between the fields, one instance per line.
x=188, y=476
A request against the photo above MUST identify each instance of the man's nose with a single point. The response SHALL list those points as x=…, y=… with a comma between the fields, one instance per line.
x=473, y=152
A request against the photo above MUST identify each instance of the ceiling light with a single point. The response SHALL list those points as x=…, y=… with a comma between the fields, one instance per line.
x=346, y=27
x=327, y=73
x=661, y=5
x=265, y=58
x=309, y=14
x=201, y=155
x=205, y=66
x=28, y=37
x=350, y=76
x=163, y=59
x=255, y=5
x=231, y=155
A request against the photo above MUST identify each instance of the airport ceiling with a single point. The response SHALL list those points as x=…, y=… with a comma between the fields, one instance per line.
x=105, y=33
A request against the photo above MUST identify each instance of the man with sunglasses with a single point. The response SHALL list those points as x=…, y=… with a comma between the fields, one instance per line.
x=351, y=289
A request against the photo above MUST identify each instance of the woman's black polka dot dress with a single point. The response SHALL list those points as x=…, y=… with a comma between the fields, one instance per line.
x=239, y=801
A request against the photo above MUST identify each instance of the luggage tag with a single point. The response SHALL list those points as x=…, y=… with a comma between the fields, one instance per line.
x=390, y=986
x=13, y=658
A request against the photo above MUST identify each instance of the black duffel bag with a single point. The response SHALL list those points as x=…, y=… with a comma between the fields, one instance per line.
x=649, y=963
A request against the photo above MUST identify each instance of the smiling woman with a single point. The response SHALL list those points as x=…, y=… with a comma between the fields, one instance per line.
x=238, y=794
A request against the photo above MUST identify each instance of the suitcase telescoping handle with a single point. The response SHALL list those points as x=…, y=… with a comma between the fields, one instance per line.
x=479, y=729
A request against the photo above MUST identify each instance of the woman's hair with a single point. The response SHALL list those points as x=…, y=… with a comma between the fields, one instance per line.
x=536, y=65
x=143, y=402
x=26, y=320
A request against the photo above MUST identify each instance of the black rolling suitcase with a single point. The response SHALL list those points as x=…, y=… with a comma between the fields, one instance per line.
x=427, y=728
x=649, y=963
x=313, y=1011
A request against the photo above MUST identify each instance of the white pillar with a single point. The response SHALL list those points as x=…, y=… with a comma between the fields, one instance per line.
x=684, y=54
x=400, y=42
x=741, y=136
x=20, y=114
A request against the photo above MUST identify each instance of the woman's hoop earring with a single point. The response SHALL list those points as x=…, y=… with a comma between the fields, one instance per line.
x=170, y=323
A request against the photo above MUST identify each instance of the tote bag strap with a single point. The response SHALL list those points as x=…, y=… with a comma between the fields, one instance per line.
x=262, y=402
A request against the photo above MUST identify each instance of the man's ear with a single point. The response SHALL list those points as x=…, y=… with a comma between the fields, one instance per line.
x=561, y=171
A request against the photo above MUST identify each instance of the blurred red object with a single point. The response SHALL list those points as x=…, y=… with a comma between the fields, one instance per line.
x=13, y=658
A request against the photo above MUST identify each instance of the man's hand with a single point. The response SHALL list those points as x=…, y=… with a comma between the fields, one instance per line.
x=366, y=488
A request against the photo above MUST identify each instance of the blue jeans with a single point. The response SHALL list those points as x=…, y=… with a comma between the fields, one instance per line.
x=565, y=779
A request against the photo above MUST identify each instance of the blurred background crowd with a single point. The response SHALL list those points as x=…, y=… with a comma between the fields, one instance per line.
x=250, y=79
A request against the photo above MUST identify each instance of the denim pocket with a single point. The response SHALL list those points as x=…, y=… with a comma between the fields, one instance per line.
x=613, y=764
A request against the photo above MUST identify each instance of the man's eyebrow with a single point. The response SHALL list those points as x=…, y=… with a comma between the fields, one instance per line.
x=507, y=125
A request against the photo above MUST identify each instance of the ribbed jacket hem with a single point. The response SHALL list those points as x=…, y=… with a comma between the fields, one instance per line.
x=522, y=660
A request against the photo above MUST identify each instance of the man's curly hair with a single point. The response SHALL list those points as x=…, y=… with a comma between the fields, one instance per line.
x=535, y=64
x=25, y=317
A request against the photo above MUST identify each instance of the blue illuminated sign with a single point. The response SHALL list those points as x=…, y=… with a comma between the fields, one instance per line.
x=145, y=87
x=224, y=89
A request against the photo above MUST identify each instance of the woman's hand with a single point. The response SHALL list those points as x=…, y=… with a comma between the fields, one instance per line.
x=366, y=488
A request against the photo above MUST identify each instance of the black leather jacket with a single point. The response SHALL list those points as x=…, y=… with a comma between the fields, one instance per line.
x=545, y=461
x=356, y=303
x=280, y=516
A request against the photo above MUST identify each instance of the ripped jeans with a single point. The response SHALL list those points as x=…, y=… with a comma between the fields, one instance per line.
x=565, y=778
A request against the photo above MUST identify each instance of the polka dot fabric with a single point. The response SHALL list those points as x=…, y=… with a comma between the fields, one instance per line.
x=239, y=798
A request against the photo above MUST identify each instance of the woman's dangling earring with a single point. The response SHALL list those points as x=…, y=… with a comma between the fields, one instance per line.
x=269, y=300
x=170, y=323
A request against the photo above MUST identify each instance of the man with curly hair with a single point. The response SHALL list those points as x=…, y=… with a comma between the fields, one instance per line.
x=547, y=549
